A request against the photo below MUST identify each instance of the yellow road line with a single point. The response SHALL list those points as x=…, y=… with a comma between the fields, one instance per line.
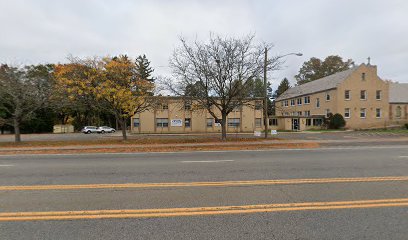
x=179, y=212
x=204, y=184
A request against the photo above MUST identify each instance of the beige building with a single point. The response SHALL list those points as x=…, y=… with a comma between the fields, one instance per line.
x=358, y=94
x=175, y=115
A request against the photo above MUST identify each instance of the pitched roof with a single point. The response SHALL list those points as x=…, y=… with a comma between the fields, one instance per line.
x=318, y=85
x=398, y=93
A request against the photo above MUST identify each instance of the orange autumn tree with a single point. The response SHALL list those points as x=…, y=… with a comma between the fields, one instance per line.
x=114, y=81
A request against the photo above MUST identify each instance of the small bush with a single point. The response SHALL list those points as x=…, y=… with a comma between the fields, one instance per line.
x=336, y=121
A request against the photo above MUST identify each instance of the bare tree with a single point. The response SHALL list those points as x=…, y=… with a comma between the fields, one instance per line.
x=218, y=75
x=22, y=92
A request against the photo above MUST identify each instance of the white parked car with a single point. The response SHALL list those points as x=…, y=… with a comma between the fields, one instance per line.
x=105, y=129
x=89, y=129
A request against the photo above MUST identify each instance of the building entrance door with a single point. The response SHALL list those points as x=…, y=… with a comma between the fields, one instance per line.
x=295, y=124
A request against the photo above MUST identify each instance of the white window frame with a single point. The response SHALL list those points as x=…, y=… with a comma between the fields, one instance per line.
x=365, y=95
x=327, y=112
x=292, y=102
x=328, y=97
x=349, y=95
x=376, y=95
x=363, y=110
x=299, y=101
x=307, y=100
x=347, y=111
x=317, y=102
x=376, y=111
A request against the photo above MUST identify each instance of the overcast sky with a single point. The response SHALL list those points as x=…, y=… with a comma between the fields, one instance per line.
x=40, y=31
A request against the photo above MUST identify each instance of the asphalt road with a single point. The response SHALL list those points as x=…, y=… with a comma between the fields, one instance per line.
x=332, y=193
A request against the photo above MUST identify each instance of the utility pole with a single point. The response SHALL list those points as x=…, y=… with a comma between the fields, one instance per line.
x=266, y=121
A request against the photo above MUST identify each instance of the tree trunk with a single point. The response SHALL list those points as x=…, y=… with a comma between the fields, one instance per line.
x=224, y=127
x=123, y=123
x=17, y=135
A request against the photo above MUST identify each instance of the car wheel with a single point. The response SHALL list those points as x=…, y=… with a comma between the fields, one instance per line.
x=88, y=132
x=102, y=131
x=112, y=131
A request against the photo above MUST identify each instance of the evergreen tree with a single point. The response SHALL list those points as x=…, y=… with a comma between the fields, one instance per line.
x=283, y=86
x=143, y=69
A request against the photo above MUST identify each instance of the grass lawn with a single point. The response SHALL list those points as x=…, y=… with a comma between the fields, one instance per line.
x=134, y=141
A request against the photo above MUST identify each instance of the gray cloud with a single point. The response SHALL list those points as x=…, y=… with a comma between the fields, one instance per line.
x=47, y=31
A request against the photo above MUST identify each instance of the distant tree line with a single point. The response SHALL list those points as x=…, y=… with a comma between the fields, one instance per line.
x=93, y=91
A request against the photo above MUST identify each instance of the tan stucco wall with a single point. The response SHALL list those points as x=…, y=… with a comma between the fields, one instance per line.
x=394, y=120
x=371, y=84
x=247, y=116
x=338, y=103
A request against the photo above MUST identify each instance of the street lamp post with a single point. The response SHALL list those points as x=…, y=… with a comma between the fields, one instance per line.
x=266, y=118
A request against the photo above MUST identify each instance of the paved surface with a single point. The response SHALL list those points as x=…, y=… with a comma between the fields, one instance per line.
x=358, y=169
x=347, y=135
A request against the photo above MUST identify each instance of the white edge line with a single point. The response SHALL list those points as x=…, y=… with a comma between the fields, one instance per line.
x=6, y=165
x=209, y=151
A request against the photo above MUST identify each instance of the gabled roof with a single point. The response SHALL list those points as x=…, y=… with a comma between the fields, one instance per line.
x=398, y=93
x=318, y=85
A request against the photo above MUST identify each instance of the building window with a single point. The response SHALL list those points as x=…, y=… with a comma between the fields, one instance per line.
x=317, y=103
x=187, y=106
x=327, y=96
x=258, y=105
x=327, y=112
x=218, y=122
x=347, y=94
x=317, y=122
x=398, y=112
x=273, y=122
x=234, y=122
x=363, y=76
x=378, y=112
x=347, y=113
x=258, y=122
x=299, y=113
x=299, y=101
x=187, y=122
x=286, y=103
x=362, y=113
x=292, y=102
x=210, y=122
x=363, y=95
x=307, y=113
x=308, y=122
x=378, y=95
x=282, y=104
x=286, y=114
x=162, y=122
x=136, y=122
x=307, y=100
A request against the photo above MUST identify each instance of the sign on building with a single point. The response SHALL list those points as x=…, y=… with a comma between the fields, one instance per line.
x=257, y=133
x=176, y=122
x=274, y=132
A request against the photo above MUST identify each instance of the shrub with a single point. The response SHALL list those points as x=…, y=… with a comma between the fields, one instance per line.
x=336, y=121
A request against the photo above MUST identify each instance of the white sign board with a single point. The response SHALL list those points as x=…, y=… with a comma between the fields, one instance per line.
x=217, y=124
x=274, y=132
x=257, y=133
x=176, y=122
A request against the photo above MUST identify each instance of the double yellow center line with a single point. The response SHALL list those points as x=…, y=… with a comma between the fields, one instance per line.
x=203, y=184
x=200, y=211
